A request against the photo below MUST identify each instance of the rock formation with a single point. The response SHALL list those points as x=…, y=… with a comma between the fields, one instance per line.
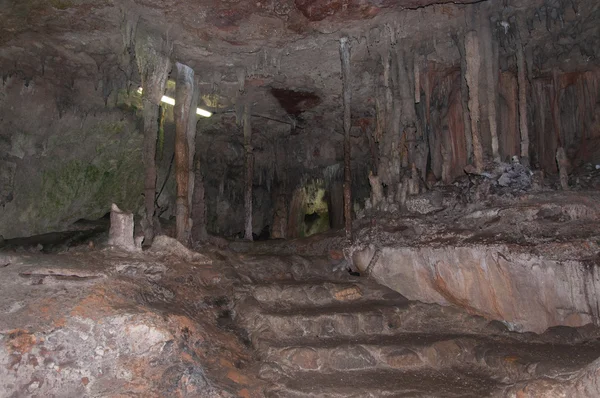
x=298, y=170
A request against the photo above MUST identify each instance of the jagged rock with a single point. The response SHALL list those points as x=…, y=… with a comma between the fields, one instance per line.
x=65, y=333
x=516, y=176
x=425, y=203
x=166, y=246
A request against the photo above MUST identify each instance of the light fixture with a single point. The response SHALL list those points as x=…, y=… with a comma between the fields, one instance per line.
x=171, y=101
x=168, y=100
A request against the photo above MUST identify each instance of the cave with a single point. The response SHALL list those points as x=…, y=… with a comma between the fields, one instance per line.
x=300, y=198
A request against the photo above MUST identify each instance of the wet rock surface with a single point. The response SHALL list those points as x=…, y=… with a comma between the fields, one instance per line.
x=99, y=322
x=530, y=261
x=324, y=334
x=109, y=323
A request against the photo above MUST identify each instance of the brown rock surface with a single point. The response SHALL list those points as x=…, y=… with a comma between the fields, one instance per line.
x=90, y=322
x=106, y=323
x=502, y=262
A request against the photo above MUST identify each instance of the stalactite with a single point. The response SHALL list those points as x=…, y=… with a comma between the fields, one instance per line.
x=347, y=97
x=473, y=56
x=417, y=72
x=509, y=140
x=380, y=114
x=184, y=93
x=522, y=81
x=295, y=224
x=408, y=117
x=387, y=86
x=491, y=72
x=249, y=172
x=556, y=91
x=464, y=96
x=455, y=144
x=428, y=89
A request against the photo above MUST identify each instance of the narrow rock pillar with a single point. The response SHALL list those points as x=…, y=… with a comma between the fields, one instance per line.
x=473, y=58
x=522, y=82
x=490, y=51
x=192, y=179
x=464, y=95
x=563, y=164
x=347, y=97
x=150, y=115
x=152, y=53
x=249, y=172
x=184, y=93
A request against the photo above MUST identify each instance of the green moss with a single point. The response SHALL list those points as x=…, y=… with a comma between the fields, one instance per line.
x=316, y=203
x=61, y=4
x=129, y=100
x=77, y=187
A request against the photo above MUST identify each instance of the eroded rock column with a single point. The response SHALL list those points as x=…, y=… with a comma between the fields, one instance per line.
x=473, y=61
x=522, y=82
x=249, y=172
x=152, y=55
x=347, y=97
x=183, y=111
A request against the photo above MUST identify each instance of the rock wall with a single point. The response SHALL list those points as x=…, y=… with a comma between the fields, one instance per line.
x=65, y=154
x=505, y=263
x=528, y=291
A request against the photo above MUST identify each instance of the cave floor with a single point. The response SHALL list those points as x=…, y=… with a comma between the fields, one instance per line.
x=95, y=322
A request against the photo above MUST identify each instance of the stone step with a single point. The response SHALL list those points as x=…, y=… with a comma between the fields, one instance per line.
x=264, y=268
x=506, y=360
x=358, y=319
x=380, y=384
x=401, y=352
x=306, y=294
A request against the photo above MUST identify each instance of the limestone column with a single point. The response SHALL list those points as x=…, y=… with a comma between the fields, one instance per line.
x=249, y=172
x=464, y=94
x=184, y=93
x=473, y=60
x=152, y=53
x=522, y=82
x=347, y=97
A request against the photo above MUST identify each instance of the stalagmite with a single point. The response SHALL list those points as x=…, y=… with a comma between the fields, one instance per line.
x=280, y=213
x=473, y=58
x=152, y=55
x=120, y=234
x=249, y=172
x=446, y=164
x=464, y=94
x=522, y=81
x=184, y=93
x=347, y=95
x=376, y=190
x=414, y=186
x=563, y=164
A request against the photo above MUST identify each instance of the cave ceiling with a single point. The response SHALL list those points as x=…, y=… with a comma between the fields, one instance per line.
x=287, y=49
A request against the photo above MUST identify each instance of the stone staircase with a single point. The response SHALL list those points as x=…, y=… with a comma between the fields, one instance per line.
x=317, y=333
